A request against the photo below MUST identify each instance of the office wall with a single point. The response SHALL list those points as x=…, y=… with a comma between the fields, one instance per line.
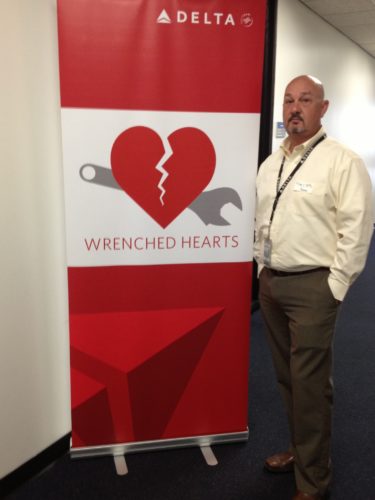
x=306, y=44
x=34, y=383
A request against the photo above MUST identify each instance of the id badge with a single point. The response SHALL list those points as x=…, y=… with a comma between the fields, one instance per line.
x=267, y=249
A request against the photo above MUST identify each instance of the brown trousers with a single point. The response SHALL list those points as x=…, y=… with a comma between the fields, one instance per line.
x=300, y=314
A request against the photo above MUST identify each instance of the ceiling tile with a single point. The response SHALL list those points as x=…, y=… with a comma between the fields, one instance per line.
x=353, y=18
x=338, y=6
x=363, y=33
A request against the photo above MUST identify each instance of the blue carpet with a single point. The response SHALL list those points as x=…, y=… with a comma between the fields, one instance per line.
x=184, y=475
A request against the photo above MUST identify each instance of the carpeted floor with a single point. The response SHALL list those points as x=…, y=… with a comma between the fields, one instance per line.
x=184, y=475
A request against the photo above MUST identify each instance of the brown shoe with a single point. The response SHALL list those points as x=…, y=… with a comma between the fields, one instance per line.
x=281, y=462
x=306, y=496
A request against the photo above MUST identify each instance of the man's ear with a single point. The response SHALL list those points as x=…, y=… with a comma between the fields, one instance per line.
x=324, y=107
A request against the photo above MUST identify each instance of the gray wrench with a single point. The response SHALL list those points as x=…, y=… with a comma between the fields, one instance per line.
x=207, y=206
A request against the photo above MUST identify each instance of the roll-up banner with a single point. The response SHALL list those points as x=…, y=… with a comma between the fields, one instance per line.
x=160, y=121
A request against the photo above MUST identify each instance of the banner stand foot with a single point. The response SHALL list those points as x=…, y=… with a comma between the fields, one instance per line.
x=120, y=464
x=209, y=455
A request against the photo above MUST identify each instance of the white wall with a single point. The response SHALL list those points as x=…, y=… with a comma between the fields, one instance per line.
x=306, y=44
x=34, y=376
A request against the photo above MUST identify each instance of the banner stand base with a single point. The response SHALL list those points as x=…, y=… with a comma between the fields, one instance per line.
x=120, y=465
x=160, y=444
x=209, y=455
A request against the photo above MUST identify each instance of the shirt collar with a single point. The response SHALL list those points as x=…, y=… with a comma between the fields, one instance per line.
x=301, y=147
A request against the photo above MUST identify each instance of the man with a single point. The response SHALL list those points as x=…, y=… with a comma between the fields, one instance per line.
x=313, y=230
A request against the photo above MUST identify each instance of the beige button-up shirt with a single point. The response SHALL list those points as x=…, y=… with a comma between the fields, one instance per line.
x=324, y=216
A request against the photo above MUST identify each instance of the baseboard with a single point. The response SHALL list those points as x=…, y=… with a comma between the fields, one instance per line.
x=34, y=466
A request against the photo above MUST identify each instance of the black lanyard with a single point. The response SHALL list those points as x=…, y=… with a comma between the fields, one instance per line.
x=280, y=190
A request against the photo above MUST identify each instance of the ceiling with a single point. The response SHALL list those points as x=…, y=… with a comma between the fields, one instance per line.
x=354, y=18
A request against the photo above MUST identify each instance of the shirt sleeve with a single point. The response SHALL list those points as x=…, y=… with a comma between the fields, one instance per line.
x=354, y=222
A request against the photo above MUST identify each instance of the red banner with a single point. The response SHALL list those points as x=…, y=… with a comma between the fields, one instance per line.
x=160, y=120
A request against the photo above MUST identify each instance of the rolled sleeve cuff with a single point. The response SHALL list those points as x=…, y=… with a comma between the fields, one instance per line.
x=338, y=289
x=260, y=267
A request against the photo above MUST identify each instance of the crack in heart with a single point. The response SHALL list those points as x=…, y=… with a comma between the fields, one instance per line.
x=160, y=167
x=138, y=157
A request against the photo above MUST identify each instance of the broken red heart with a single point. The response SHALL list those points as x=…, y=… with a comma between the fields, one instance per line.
x=138, y=150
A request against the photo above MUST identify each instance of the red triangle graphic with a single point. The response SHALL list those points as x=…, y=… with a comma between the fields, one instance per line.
x=156, y=386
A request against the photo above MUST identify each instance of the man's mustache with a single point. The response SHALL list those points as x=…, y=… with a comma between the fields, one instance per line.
x=294, y=115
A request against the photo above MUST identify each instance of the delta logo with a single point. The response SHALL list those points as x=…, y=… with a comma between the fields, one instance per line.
x=206, y=18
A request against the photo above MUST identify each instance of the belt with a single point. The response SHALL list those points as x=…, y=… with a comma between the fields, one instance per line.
x=296, y=273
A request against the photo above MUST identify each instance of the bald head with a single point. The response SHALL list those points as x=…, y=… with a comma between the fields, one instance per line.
x=309, y=80
x=304, y=106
